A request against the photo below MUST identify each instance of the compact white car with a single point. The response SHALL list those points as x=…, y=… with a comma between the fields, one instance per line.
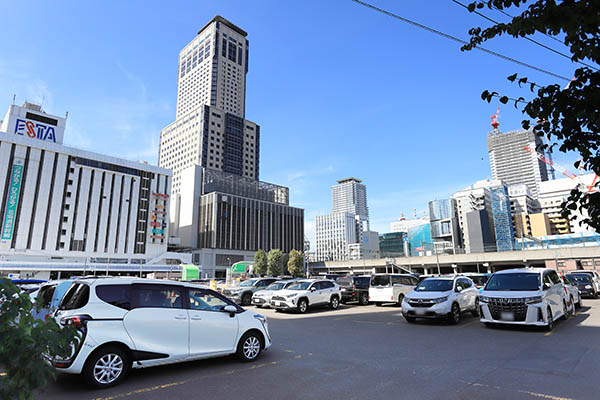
x=303, y=294
x=390, y=288
x=526, y=296
x=134, y=323
x=442, y=297
x=262, y=298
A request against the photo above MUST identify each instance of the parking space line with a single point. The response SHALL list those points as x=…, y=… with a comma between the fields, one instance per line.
x=2, y=373
x=530, y=393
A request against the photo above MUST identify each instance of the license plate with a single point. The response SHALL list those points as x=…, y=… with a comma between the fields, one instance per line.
x=419, y=312
x=507, y=316
x=277, y=303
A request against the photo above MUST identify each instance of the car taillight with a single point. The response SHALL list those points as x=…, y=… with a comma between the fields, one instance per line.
x=391, y=297
x=76, y=321
x=353, y=287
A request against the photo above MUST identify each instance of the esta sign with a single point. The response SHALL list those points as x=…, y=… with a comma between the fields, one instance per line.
x=35, y=130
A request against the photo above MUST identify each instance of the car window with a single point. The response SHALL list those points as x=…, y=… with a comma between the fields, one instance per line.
x=263, y=283
x=204, y=300
x=45, y=294
x=554, y=277
x=413, y=281
x=317, y=285
x=116, y=295
x=157, y=296
x=380, y=280
x=547, y=279
x=362, y=282
x=327, y=285
x=76, y=297
x=466, y=283
x=396, y=280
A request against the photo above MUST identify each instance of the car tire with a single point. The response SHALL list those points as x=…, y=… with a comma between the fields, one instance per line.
x=454, y=316
x=363, y=299
x=475, y=311
x=410, y=320
x=109, y=359
x=549, y=320
x=565, y=315
x=595, y=295
x=334, y=302
x=246, y=299
x=250, y=346
x=378, y=303
x=580, y=303
x=572, y=310
x=400, y=298
x=302, y=306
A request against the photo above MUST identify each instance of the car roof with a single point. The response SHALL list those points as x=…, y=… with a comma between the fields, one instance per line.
x=524, y=270
x=444, y=277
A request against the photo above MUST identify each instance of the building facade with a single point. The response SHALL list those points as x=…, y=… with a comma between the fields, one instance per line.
x=512, y=163
x=404, y=224
x=502, y=218
x=62, y=203
x=350, y=195
x=445, y=230
x=333, y=233
x=392, y=244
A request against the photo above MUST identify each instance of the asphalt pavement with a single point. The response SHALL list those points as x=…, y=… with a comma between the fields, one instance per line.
x=369, y=352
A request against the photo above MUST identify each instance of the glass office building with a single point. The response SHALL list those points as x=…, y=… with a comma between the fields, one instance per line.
x=419, y=239
x=392, y=244
x=503, y=226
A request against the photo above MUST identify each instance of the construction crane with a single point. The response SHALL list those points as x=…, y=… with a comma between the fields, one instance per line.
x=494, y=118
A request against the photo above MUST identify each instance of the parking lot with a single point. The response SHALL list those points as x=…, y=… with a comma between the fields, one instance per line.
x=360, y=352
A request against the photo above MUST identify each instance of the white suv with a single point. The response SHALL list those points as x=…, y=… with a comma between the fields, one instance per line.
x=527, y=296
x=262, y=298
x=390, y=288
x=442, y=297
x=307, y=293
x=135, y=323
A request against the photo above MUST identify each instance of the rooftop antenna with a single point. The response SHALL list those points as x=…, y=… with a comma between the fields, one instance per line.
x=415, y=213
x=14, y=98
x=67, y=115
x=494, y=118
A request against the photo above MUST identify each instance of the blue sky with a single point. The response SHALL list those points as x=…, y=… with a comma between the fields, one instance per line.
x=338, y=89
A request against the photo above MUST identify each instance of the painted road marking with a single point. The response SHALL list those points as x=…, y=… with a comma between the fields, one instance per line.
x=534, y=394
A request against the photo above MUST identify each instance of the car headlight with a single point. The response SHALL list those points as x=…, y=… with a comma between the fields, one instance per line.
x=440, y=300
x=289, y=296
x=484, y=299
x=588, y=286
x=533, y=300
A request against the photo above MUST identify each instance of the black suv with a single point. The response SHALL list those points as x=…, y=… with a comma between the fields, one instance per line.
x=355, y=288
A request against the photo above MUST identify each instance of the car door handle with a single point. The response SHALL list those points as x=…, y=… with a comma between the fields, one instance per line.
x=179, y=316
x=196, y=318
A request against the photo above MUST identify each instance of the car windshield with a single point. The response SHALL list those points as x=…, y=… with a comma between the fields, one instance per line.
x=434, y=285
x=249, y=282
x=380, y=280
x=520, y=281
x=345, y=281
x=299, y=286
x=480, y=280
x=276, y=286
x=579, y=278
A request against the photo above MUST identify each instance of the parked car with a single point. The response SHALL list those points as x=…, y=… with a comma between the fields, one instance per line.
x=584, y=283
x=242, y=294
x=593, y=275
x=478, y=279
x=355, y=288
x=307, y=293
x=526, y=296
x=442, y=297
x=574, y=295
x=136, y=323
x=262, y=298
x=390, y=288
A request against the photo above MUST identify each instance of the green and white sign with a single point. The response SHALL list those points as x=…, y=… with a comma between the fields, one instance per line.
x=10, y=213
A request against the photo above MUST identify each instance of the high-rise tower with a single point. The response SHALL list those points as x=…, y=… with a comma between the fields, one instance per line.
x=210, y=129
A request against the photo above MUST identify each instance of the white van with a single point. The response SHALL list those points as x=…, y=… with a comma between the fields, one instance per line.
x=390, y=288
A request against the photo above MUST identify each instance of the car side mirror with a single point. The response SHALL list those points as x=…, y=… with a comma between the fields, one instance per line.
x=231, y=310
x=313, y=289
x=459, y=288
x=546, y=286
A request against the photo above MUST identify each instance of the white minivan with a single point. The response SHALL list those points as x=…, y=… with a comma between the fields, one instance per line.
x=390, y=288
x=129, y=323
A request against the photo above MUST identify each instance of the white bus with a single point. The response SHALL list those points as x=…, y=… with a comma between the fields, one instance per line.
x=390, y=288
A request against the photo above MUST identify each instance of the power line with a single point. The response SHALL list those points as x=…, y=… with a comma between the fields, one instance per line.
x=526, y=38
x=447, y=36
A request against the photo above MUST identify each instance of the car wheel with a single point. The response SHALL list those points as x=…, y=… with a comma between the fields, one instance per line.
x=378, y=304
x=334, y=303
x=400, y=298
x=572, y=308
x=364, y=299
x=579, y=303
x=475, y=311
x=249, y=347
x=549, y=322
x=106, y=367
x=565, y=311
x=595, y=294
x=410, y=320
x=302, y=306
x=246, y=299
x=455, y=314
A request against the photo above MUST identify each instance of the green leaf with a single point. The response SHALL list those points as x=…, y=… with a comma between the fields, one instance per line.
x=504, y=99
x=512, y=77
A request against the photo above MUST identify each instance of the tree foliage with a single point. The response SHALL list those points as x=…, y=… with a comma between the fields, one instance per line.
x=260, y=262
x=24, y=341
x=295, y=263
x=568, y=116
x=275, y=261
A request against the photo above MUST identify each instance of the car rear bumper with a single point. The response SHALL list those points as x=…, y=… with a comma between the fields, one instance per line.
x=75, y=364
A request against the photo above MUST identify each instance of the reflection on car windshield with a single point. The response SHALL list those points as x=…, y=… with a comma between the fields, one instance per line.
x=480, y=280
x=577, y=278
x=299, y=286
x=276, y=286
x=250, y=282
x=515, y=281
x=434, y=285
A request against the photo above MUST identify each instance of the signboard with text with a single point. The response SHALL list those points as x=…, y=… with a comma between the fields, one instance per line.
x=10, y=210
